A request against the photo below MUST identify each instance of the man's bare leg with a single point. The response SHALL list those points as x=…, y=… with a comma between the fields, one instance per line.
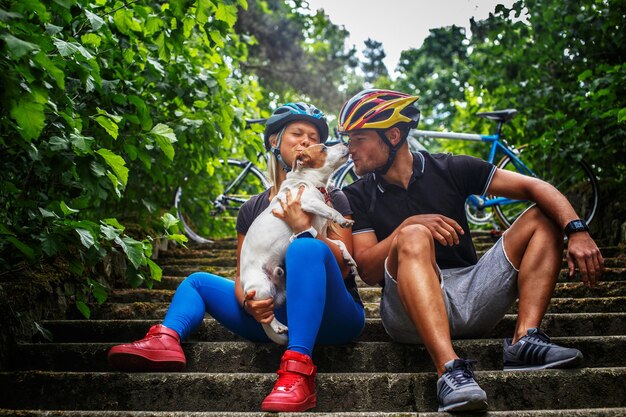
x=534, y=244
x=412, y=261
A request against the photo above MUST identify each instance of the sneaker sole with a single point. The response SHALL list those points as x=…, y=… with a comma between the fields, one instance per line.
x=136, y=363
x=469, y=405
x=563, y=364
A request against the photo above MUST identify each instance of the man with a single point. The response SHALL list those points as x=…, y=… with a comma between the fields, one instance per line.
x=411, y=236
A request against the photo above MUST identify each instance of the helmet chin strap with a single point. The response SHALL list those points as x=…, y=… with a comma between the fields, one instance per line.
x=392, y=153
x=276, y=151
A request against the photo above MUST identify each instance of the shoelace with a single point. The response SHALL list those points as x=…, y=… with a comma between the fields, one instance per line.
x=463, y=375
x=541, y=336
x=287, y=379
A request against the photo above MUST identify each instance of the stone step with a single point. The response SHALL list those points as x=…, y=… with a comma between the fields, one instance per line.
x=157, y=310
x=180, y=273
x=397, y=392
x=363, y=357
x=585, y=412
x=373, y=294
x=229, y=259
x=123, y=331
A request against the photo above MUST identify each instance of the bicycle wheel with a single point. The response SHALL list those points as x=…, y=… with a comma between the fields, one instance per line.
x=209, y=206
x=574, y=179
x=344, y=176
x=477, y=216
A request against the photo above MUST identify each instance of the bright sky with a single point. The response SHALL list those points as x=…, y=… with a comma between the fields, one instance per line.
x=401, y=24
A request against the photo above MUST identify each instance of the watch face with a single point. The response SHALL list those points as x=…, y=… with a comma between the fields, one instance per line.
x=577, y=224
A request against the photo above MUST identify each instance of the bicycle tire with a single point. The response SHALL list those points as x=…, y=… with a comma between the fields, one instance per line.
x=476, y=216
x=209, y=208
x=574, y=179
x=344, y=176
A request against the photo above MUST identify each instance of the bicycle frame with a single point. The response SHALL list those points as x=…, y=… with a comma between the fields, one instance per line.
x=497, y=144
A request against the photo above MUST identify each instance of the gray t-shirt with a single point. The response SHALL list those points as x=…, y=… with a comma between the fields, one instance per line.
x=255, y=206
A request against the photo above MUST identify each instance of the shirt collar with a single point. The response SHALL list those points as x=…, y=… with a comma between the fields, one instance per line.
x=419, y=166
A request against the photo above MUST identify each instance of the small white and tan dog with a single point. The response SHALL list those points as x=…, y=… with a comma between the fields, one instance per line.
x=263, y=251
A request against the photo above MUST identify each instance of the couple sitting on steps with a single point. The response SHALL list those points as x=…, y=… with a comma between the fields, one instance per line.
x=410, y=236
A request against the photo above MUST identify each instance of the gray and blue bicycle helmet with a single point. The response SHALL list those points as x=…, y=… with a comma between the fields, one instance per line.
x=291, y=112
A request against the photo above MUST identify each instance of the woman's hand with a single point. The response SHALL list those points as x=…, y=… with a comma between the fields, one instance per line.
x=292, y=214
x=261, y=310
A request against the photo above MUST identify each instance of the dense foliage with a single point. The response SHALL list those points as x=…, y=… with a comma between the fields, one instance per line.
x=106, y=106
x=561, y=64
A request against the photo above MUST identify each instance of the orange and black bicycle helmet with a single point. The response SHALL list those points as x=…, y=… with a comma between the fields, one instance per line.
x=380, y=110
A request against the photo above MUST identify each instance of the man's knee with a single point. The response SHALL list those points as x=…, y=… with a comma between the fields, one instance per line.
x=415, y=240
x=535, y=218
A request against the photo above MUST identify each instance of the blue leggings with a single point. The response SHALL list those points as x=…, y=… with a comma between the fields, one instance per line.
x=319, y=308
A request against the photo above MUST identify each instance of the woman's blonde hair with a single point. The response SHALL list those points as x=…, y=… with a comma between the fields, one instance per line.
x=273, y=167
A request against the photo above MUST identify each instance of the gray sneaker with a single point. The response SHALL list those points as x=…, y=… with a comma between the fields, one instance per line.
x=457, y=389
x=535, y=351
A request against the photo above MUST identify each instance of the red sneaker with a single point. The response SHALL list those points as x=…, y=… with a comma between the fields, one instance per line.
x=159, y=351
x=295, y=389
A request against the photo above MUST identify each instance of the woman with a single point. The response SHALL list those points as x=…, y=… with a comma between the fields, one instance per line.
x=322, y=305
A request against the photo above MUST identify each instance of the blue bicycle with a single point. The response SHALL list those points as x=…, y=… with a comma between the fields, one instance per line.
x=573, y=178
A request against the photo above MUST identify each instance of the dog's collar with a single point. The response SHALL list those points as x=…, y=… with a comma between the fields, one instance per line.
x=325, y=194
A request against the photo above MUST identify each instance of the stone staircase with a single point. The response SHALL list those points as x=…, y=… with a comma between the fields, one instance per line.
x=227, y=376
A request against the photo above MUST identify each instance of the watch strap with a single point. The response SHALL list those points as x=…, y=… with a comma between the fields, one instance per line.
x=575, y=226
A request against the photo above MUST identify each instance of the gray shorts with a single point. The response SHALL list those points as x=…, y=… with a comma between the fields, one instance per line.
x=476, y=298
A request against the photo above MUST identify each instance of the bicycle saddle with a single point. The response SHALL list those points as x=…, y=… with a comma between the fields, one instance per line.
x=255, y=121
x=499, y=115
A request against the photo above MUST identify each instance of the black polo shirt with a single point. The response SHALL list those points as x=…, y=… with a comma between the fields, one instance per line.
x=440, y=184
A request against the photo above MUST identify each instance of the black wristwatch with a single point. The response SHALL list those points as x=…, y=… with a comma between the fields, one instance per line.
x=576, y=226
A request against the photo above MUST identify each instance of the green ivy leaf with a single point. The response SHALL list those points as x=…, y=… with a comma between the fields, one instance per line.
x=83, y=308
x=164, y=136
x=95, y=20
x=155, y=270
x=117, y=164
x=98, y=291
x=53, y=29
x=91, y=39
x=114, y=223
x=169, y=220
x=108, y=125
x=178, y=238
x=226, y=13
x=133, y=250
x=126, y=22
x=85, y=237
x=29, y=116
x=110, y=232
x=66, y=209
x=71, y=48
x=17, y=47
x=621, y=115
x=81, y=143
x=204, y=11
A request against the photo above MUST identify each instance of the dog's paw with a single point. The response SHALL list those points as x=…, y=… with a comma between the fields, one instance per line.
x=279, y=327
x=346, y=223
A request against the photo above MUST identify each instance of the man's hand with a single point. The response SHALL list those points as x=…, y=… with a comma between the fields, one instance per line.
x=444, y=230
x=583, y=251
x=261, y=310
